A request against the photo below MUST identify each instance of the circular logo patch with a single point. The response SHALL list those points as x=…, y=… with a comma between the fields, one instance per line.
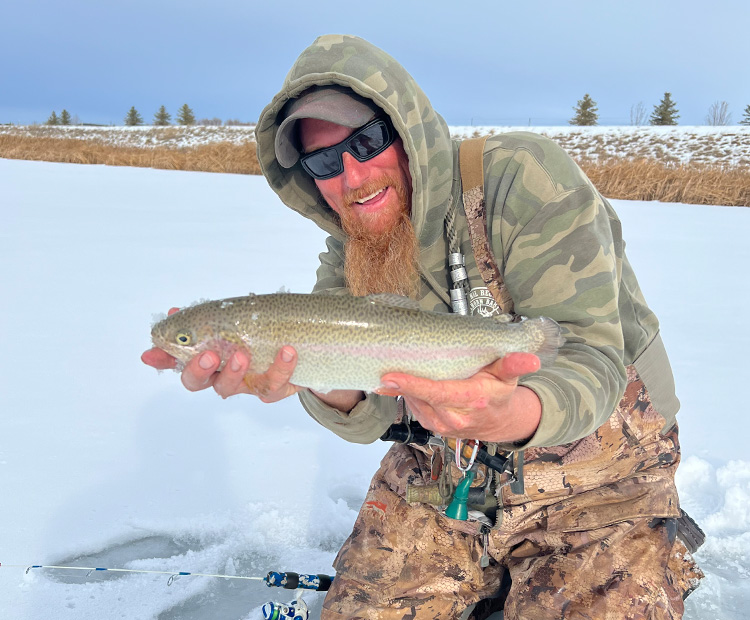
x=482, y=303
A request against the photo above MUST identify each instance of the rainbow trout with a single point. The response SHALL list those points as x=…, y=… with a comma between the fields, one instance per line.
x=346, y=342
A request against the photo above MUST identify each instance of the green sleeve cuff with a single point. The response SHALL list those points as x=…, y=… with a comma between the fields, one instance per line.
x=364, y=424
x=553, y=427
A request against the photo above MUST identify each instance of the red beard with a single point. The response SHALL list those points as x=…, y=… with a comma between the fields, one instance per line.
x=386, y=261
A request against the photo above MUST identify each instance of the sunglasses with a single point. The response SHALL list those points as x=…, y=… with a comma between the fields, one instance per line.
x=365, y=143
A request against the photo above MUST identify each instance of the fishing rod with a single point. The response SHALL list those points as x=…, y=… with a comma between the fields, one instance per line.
x=295, y=610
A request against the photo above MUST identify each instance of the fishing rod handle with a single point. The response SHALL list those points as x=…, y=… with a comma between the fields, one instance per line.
x=294, y=581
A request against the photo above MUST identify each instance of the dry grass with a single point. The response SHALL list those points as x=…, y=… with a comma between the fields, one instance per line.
x=688, y=183
x=216, y=157
x=628, y=179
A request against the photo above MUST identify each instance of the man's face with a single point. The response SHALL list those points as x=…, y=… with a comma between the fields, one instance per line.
x=370, y=195
x=373, y=201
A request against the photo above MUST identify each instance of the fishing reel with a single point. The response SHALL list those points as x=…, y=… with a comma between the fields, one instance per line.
x=294, y=610
x=297, y=608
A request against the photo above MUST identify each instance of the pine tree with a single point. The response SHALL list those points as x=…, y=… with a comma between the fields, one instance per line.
x=162, y=118
x=185, y=116
x=585, y=112
x=53, y=120
x=133, y=118
x=666, y=112
x=65, y=117
x=746, y=117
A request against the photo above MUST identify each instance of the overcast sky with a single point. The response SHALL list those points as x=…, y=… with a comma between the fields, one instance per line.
x=482, y=63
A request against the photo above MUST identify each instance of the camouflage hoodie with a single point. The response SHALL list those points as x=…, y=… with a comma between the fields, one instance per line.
x=556, y=240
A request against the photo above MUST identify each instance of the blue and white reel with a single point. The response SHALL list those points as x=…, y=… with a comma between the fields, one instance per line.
x=294, y=610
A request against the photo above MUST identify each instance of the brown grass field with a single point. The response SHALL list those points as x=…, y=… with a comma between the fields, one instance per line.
x=215, y=157
x=699, y=184
x=628, y=179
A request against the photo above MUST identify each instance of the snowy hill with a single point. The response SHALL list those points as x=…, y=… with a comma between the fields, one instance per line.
x=683, y=144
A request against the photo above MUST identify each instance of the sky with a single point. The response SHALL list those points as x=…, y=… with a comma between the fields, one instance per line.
x=481, y=62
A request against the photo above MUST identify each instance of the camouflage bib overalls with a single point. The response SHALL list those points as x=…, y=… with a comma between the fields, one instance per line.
x=591, y=535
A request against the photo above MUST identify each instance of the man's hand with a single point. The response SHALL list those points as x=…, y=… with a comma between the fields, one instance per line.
x=489, y=406
x=202, y=372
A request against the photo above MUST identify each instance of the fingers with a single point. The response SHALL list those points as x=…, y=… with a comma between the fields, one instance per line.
x=203, y=372
x=281, y=370
x=161, y=360
x=230, y=380
x=199, y=371
x=513, y=366
x=437, y=393
x=273, y=385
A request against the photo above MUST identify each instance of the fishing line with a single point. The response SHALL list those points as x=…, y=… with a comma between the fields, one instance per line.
x=296, y=609
x=90, y=570
x=286, y=580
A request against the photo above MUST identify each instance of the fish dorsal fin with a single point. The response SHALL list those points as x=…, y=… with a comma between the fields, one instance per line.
x=503, y=317
x=391, y=299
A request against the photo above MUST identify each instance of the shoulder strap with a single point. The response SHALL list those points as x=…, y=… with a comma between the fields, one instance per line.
x=471, y=163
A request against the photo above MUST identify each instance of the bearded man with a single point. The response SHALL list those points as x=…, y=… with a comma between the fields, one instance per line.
x=587, y=529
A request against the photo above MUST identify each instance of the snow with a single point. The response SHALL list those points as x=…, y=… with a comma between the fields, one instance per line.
x=724, y=146
x=105, y=462
x=141, y=136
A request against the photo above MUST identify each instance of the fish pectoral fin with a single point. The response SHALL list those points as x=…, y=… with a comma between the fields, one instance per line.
x=396, y=301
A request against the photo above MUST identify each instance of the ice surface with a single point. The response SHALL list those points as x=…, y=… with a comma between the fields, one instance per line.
x=105, y=461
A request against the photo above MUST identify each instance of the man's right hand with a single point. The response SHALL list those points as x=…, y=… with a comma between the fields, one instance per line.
x=202, y=372
x=273, y=385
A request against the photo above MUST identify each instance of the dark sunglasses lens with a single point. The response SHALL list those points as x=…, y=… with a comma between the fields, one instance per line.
x=323, y=163
x=369, y=141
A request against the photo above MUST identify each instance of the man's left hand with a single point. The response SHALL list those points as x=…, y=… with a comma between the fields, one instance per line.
x=489, y=406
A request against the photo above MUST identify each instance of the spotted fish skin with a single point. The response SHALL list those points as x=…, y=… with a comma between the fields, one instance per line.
x=346, y=342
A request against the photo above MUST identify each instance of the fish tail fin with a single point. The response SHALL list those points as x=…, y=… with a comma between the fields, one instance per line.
x=551, y=341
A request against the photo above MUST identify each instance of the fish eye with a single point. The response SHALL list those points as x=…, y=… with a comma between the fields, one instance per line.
x=183, y=338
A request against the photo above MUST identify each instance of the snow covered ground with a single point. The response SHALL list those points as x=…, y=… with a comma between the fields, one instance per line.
x=728, y=146
x=142, y=136
x=105, y=462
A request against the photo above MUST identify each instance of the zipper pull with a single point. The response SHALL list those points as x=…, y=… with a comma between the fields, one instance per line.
x=484, y=561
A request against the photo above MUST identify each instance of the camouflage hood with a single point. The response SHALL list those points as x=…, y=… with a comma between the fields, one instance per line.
x=353, y=62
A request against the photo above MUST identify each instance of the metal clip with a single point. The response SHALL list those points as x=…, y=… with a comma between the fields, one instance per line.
x=511, y=479
x=484, y=561
x=445, y=480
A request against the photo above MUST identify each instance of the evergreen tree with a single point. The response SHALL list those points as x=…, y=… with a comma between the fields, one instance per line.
x=185, y=115
x=746, y=117
x=585, y=112
x=53, y=120
x=162, y=118
x=666, y=112
x=133, y=118
x=65, y=117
